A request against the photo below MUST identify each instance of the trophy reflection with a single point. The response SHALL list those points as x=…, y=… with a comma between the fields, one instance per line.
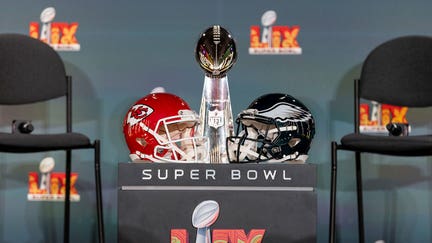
x=216, y=53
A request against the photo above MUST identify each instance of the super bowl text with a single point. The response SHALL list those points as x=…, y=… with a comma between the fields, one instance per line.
x=211, y=174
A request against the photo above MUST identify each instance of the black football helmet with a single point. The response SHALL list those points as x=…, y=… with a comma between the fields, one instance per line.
x=274, y=128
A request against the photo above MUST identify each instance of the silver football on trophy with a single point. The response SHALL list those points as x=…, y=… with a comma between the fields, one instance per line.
x=216, y=51
x=48, y=15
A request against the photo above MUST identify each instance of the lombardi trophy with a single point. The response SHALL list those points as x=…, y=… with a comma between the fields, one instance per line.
x=46, y=17
x=204, y=215
x=216, y=53
x=45, y=167
x=267, y=20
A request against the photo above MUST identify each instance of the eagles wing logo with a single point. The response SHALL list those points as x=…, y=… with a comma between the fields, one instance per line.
x=137, y=113
x=291, y=112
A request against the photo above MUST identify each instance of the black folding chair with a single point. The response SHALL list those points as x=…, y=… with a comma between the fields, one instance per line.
x=30, y=72
x=397, y=72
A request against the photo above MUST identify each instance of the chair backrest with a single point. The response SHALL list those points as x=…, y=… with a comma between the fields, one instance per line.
x=399, y=72
x=30, y=71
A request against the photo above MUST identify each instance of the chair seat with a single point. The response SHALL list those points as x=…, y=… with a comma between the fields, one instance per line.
x=19, y=143
x=391, y=145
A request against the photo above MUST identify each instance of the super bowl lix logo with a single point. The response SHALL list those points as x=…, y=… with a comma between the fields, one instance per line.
x=204, y=215
x=59, y=35
x=50, y=186
x=374, y=116
x=272, y=39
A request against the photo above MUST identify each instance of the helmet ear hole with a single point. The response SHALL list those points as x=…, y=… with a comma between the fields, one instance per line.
x=141, y=141
x=293, y=142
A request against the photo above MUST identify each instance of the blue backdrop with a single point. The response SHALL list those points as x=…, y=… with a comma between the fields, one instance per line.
x=130, y=47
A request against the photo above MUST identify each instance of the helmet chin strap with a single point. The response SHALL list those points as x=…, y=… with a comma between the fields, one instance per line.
x=299, y=160
x=137, y=156
x=134, y=157
x=302, y=158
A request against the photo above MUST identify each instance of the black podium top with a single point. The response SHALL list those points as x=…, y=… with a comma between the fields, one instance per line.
x=182, y=203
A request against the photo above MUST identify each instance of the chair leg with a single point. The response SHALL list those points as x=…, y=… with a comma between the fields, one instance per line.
x=99, y=192
x=359, y=197
x=67, y=197
x=332, y=223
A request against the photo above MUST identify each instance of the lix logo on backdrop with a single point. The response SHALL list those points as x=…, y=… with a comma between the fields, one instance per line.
x=271, y=39
x=205, y=215
x=59, y=35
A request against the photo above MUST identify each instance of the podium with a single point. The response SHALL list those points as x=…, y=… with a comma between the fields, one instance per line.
x=256, y=202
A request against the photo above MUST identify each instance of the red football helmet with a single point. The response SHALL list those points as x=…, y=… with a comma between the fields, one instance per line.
x=160, y=127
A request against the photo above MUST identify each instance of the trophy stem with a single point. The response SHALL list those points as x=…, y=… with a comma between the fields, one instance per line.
x=203, y=235
x=216, y=117
x=44, y=182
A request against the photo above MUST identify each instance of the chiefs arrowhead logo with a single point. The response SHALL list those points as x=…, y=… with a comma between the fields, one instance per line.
x=137, y=113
